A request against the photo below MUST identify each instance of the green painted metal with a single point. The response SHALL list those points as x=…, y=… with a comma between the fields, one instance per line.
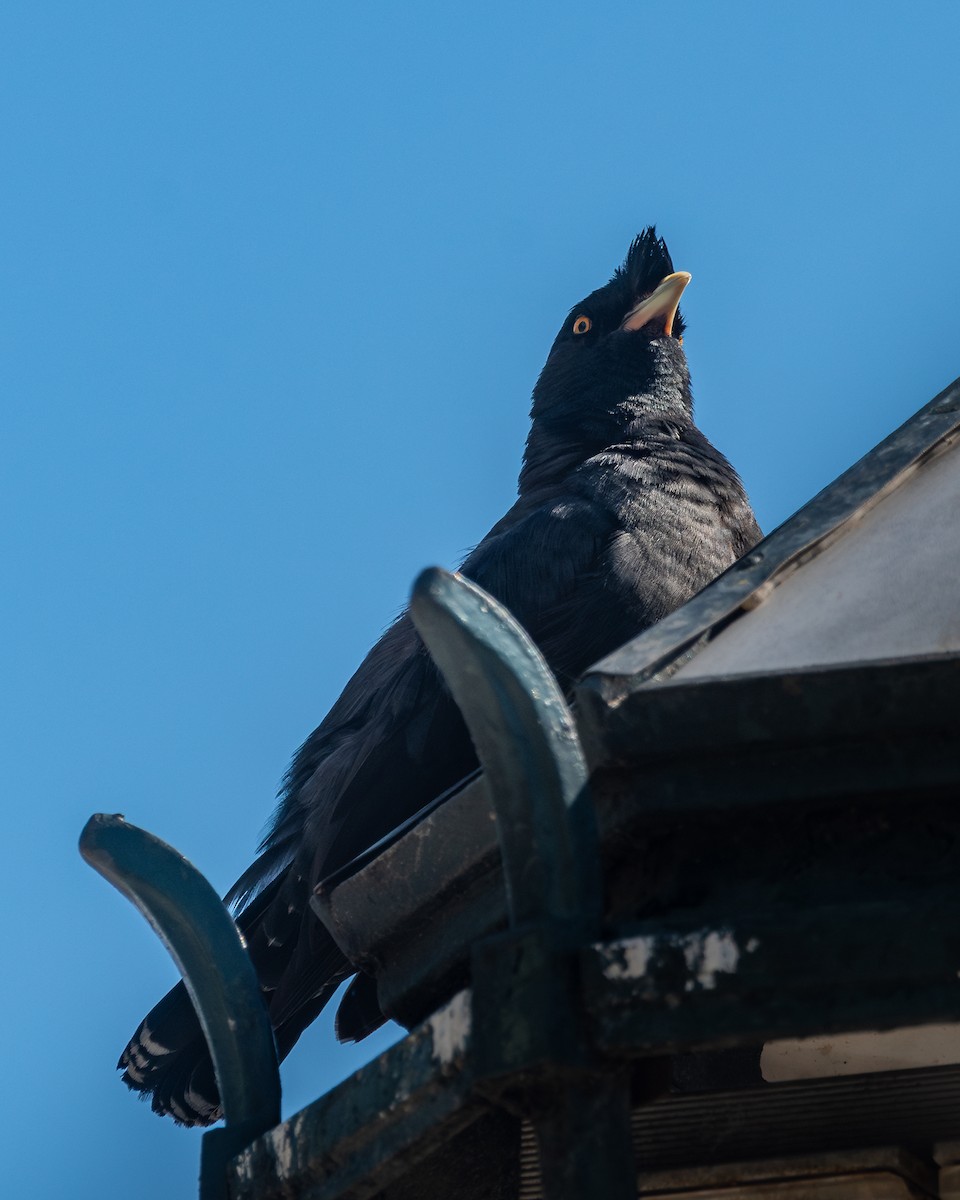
x=774, y=737
x=717, y=779
x=435, y=890
x=673, y=986
x=192, y=922
x=586, y=1144
x=369, y=1130
x=525, y=1006
x=527, y=743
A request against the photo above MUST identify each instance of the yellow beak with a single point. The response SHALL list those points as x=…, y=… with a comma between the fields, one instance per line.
x=663, y=301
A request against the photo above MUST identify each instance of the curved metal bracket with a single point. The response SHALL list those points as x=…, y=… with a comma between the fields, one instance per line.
x=192, y=922
x=526, y=740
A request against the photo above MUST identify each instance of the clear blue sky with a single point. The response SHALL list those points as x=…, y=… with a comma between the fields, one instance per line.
x=277, y=280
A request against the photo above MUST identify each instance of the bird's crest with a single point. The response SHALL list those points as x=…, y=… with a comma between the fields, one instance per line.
x=648, y=261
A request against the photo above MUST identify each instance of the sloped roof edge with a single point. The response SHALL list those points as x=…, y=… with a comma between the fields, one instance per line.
x=660, y=651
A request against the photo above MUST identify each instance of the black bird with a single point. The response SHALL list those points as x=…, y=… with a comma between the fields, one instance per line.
x=625, y=510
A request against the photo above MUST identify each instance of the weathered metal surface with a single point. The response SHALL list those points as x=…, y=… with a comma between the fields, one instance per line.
x=662, y=648
x=584, y=1139
x=533, y=1052
x=444, y=890
x=672, y=987
x=528, y=1018
x=366, y=1133
x=746, y=729
x=321, y=1152
x=661, y=990
x=527, y=743
x=482, y=1162
x=374, y=852
x=880, y=871
x=198, y=931
x=730, y=796
x=858, y=965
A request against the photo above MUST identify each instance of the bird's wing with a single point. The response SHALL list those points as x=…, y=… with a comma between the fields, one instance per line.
x=548, y=567
x=394, y=739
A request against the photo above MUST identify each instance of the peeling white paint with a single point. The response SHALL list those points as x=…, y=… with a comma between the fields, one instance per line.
x=627, y=959
x=450, y=1029
x=710, y=955
x=707, y=954
x=283, y=1149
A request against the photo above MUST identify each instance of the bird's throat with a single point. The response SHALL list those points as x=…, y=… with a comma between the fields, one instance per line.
x=623, y=409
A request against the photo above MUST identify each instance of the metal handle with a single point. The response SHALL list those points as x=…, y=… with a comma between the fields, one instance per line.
x=195, y=926
x=527, y=742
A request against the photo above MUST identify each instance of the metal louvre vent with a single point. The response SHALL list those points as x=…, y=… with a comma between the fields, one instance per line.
x=530, y=1187
x=889, y=1108
x=915, y=1108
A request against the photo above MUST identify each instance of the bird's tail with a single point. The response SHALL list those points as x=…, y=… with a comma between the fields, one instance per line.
x=167, y=1058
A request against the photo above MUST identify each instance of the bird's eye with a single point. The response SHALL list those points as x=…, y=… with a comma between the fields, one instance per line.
x=582, y=324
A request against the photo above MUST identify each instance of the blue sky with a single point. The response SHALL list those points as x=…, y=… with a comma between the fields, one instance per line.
x=277, y=282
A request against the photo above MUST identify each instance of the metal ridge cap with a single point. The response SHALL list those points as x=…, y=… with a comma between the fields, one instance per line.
x=743, y=585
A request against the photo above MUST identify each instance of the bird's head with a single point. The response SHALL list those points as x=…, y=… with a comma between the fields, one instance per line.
x=617, y=323
x=617, y=358
x=642, y=297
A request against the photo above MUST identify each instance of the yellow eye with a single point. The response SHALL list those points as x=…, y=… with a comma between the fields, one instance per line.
x=582, y=324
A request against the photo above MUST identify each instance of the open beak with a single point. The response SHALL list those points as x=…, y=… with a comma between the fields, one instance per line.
x=662, y=302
